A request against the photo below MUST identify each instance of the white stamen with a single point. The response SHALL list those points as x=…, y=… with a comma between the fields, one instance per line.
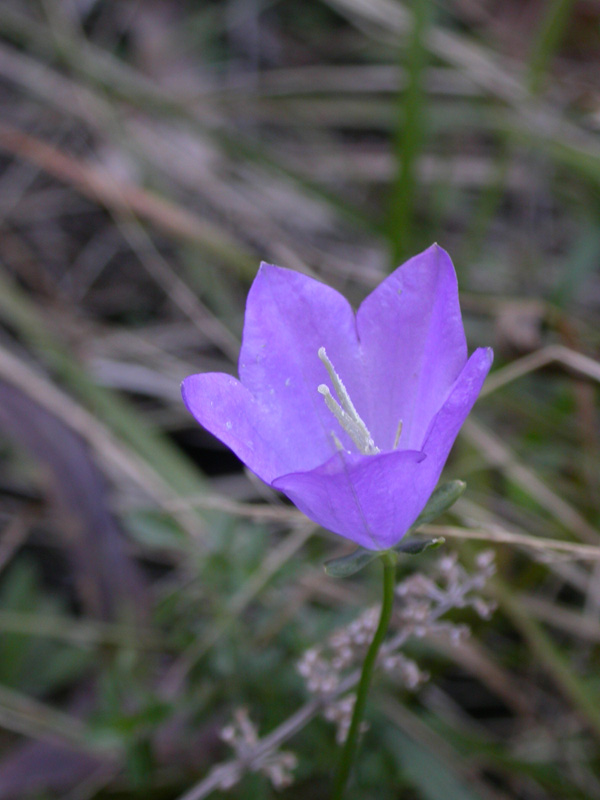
x=344, y=411
x=338, y=385
x=398, y=434
x=336, y=441
x=348, y=424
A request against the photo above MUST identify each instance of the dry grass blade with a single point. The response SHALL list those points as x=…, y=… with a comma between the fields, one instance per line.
x=34, y=718
x=536, y=544
x=102, y=440
x=553, y=354
x=177, y=290
x=124, y=198
x=487, y=70
x=81, y=632
x=494, y=534
x=259, y=512
x=50, y=86
x=499, y=456
x=562, y=618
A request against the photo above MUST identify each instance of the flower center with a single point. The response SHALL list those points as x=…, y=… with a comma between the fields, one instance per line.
x=344, y=411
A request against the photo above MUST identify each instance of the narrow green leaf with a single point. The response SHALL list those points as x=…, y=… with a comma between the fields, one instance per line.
x=444, y=496
x=412, y=547
x=435, y=779
x=548, y=40
x=551, y=657
x=410, y=136
x=348, y=565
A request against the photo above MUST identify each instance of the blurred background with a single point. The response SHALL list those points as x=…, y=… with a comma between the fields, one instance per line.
x=152, y=153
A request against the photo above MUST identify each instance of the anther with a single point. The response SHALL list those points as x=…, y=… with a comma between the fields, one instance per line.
x=398, y=434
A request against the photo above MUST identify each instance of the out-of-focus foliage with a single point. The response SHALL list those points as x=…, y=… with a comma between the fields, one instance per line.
x=151, y=154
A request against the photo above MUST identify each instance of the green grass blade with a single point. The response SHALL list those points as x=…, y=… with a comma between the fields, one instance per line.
x=409, y=138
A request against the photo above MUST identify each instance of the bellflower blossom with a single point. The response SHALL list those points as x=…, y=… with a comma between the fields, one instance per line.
x=352, y=416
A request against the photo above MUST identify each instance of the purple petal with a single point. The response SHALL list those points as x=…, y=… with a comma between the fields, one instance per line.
x=413, y=344
x=288, y=318
x=228, y=410
x=373, y=500
x=448, y=421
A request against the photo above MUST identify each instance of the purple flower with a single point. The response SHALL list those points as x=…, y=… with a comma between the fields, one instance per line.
x=352, y=416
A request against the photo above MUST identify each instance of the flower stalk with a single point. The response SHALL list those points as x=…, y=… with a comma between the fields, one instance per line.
x=351, y=744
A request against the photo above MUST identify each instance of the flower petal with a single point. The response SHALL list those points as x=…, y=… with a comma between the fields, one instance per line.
x=413, y=343
x=373, y=500
x=448, y=421
x=289, y=316
x=229, y=411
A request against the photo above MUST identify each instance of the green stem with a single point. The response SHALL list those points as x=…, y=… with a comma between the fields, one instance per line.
x=351, y=743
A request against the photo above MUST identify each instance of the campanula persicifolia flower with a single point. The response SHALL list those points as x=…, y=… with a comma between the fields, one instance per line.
x=352, y=416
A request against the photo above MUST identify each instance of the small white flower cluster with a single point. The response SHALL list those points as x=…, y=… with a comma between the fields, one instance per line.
x=340, y=713
x=423, y=600
x=242, y=736
x=322, y=666
x=405, y=668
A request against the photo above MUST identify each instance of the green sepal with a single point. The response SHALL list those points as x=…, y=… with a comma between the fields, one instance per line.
x=443, y=497
x=412, y=547
x=347, y=565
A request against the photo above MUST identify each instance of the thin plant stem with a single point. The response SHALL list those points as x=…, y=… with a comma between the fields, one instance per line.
x=350, y=746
